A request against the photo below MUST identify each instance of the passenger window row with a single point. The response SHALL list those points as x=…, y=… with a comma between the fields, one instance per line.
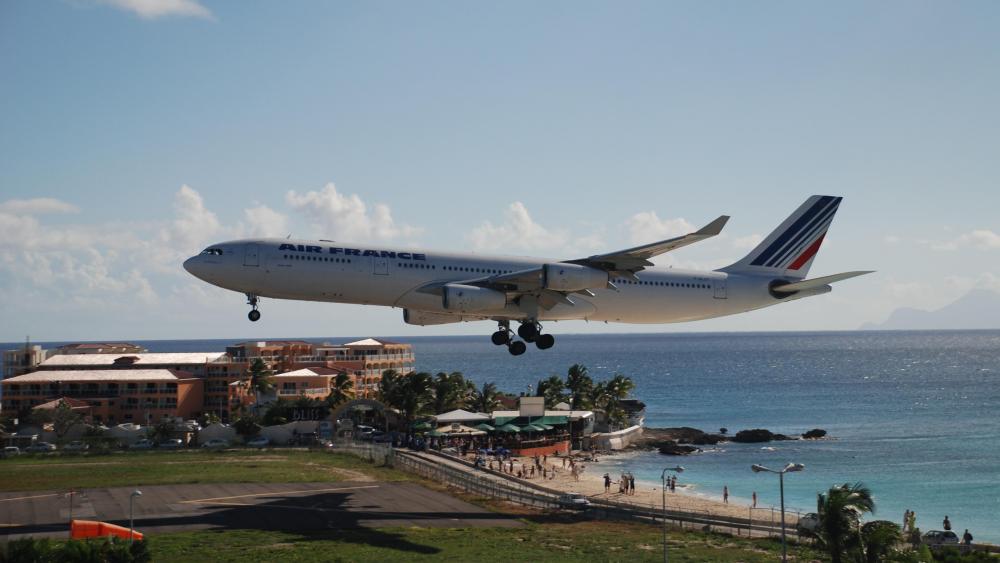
x=476, y=270
x=666, y=284
x=317, y=258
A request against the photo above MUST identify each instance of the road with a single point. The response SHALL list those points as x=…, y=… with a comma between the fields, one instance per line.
x=291, y=507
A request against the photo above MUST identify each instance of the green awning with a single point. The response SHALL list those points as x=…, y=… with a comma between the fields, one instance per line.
x=422, y=426
x=552, y=420
x=501, y=420
x=533, y=428
x=508, y=428
x=485, y=427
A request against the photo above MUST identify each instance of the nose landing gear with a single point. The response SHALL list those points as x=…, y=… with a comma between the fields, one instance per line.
x=254, y=314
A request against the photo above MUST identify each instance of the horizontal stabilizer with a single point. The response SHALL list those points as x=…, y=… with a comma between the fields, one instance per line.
x=817, y=282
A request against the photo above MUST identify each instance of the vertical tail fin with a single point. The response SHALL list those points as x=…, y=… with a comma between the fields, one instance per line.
x=791, y=248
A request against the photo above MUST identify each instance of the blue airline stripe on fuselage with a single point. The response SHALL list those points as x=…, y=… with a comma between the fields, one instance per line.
x=791, y=231
x=805, y=234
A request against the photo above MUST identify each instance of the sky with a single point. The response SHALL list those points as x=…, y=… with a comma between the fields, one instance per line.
x=133, y=133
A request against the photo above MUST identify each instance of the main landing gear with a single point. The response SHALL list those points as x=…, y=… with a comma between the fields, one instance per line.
x=254, y=314
x=530, y=331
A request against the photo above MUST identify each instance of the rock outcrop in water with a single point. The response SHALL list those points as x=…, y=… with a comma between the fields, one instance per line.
x=814, y=434
x=669, y=447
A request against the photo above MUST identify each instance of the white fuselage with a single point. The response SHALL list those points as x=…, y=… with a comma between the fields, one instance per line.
x=385, y=276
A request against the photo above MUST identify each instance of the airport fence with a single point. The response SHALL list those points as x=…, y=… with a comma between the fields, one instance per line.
x=496, y=485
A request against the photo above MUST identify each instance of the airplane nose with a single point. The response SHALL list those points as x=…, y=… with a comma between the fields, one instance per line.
x=192, y=266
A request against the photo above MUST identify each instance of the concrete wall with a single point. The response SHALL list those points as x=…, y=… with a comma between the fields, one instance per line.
x=617, y=440
x=283, y=433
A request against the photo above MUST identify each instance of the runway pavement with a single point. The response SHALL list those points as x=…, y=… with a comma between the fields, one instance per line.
x=290, y=507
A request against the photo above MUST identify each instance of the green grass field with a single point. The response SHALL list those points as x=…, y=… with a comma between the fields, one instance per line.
x=537, y=541
x=545, y=537
x=42, y=473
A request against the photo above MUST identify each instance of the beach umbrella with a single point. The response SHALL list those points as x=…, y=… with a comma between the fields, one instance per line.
x=437, y=433
x=485, y=427
x=532, y=428
x=421, y=426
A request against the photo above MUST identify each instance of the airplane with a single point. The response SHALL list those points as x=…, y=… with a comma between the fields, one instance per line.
x=435, y=288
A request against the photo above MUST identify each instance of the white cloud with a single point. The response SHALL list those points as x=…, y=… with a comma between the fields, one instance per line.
x=338, y=216
x=892, y=239
x=647, y=227
x=518, y=231
x=262, y=221
x=982, y=239
x=748, y=242
x=37, y=206
x=152, y=9
x=193, y=224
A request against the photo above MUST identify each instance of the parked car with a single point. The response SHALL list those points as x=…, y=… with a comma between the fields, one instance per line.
x=76, y=446
x=808, y=523
x=382, y=437
x=171, y=444
x=363, y=432
x=259, y=442
x=11, y=451
x=216, y=443
x=938, y=537
x=574, y=501
x=143, y=444
x=40, y=447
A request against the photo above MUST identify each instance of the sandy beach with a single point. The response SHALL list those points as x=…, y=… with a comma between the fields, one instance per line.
x=590, y=482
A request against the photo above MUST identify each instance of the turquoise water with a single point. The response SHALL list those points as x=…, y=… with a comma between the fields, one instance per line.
x=914, y=415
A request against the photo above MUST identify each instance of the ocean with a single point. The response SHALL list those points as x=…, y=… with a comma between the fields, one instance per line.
x=913, y=415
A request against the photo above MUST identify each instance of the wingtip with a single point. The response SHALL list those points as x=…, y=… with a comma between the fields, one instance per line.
x=715, y=227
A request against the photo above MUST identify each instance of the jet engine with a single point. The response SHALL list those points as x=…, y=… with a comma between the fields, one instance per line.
x=572, y=277
x=425, y=318
x=471, y=299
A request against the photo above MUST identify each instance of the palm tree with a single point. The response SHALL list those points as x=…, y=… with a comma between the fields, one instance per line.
x=410, y=394
x=486, y=399
x=840, y=511
x=341, y=390
x=880, y=538
x=260, y=381
x=553, y=389
x=451, y=391
x=579, y=384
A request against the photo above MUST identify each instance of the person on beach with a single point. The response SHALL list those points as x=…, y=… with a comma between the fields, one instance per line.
x=607, y=483
x=946, y=524
x=631, y=484
x=725, y=494
x=967, y=537
x=906, y=520
x=754, y=499
x=673, y=484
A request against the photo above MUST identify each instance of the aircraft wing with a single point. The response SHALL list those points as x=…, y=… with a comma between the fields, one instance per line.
x=622, y=263
x=635, y=259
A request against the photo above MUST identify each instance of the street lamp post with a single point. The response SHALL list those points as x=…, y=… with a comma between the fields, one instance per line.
x=131, y=514
x=663, y=492
x=791, y=467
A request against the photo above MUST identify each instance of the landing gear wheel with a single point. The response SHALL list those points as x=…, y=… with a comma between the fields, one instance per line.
x=501, y=337
x=254, y=314
x=545, y=341
x=517, y=348
x=528, y=331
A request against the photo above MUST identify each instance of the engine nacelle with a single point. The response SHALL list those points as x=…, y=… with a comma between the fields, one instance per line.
x=425, y=318
x=572, y=277
x=472, y=299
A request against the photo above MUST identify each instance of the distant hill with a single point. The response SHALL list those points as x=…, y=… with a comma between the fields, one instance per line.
x=978, y=309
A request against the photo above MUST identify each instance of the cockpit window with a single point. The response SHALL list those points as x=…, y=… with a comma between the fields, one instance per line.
x=212, y=251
